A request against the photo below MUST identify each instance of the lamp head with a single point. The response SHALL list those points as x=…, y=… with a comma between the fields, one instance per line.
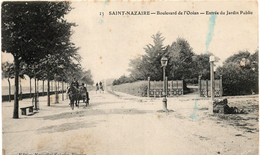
x=164, y=61
x=211, y=58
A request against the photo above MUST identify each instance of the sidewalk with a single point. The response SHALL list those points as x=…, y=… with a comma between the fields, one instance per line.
x=8, y=106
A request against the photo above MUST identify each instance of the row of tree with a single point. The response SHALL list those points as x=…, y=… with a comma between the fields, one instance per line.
x=8, y=73
x=38, y=36
x=184, y=64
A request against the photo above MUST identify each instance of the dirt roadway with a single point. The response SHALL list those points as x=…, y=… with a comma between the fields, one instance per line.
x=130, y=125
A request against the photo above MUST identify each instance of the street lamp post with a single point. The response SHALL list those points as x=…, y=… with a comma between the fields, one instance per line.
x=212, y=83
x=164, y=64
x=211, y=60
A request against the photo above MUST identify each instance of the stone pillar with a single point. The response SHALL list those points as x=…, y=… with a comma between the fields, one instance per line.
x=212, y=80
x=199, y=85
x=166, y=84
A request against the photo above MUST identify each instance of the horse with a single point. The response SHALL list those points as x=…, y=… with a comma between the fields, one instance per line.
x=73, y=96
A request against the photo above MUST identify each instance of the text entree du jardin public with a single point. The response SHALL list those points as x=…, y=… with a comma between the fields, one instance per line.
x=130, y=13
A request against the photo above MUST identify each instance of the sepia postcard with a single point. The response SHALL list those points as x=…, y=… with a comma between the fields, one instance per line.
x=130, y=77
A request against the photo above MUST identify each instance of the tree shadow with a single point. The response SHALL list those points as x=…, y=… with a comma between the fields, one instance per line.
x=100, y=103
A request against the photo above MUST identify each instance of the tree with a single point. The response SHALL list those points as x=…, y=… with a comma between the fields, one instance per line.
x=87, y=77
x=236, y=58
x=183, y=63
x=29, y=72
x=122, y=79
x=32, y=30
x=240, y=74
x=138, y=71
x=56, y=66
x=201, y=66
x=8, y=73
x=180, y=60
x=149, y=65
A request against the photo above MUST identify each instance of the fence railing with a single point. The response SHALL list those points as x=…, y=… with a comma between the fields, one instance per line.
x=173, y=88
x=28, y=95
x=205, y=87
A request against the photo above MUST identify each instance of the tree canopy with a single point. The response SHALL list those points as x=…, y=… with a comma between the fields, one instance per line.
x=38, y=37
x=183, y=63
x=240, y=74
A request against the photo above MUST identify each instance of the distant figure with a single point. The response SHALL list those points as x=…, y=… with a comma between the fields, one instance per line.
x=84, y=94
x=75, y=83
x=67, y=92
x=97, y=87
x=101, y=86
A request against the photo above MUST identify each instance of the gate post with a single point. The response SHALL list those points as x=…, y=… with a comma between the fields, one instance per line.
x=166, y=84
x=220, y=86
x=148, y=90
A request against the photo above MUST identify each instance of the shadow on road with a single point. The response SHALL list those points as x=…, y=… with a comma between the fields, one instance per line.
x=102, y=103
x=73, y=114
x=66, y=127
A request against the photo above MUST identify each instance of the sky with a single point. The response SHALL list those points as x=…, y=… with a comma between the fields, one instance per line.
x=108, y=43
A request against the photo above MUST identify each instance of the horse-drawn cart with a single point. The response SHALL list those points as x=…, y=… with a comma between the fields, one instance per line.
x=77, y=94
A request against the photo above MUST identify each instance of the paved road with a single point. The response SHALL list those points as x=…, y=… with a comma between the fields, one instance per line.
x=123, y=124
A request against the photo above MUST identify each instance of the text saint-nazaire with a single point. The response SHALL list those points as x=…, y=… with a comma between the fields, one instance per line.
x=130, y=13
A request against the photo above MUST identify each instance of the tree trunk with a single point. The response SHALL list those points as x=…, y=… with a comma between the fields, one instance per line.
x=66, y=90
x=16, y=93
x=56, y=95
x=9, y=84
x=37, y=88
x=30, y=87
x=62, y=87
x=48, y=92
x=42, y=87
x=21, y=91
x=35, y=93
x=52, y=85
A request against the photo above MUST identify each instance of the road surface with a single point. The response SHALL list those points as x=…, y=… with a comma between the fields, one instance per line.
x=117, y=124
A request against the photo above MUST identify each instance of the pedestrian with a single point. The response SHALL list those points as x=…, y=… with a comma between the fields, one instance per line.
x=87, y=95
x=101, y=87
x=97, y=87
